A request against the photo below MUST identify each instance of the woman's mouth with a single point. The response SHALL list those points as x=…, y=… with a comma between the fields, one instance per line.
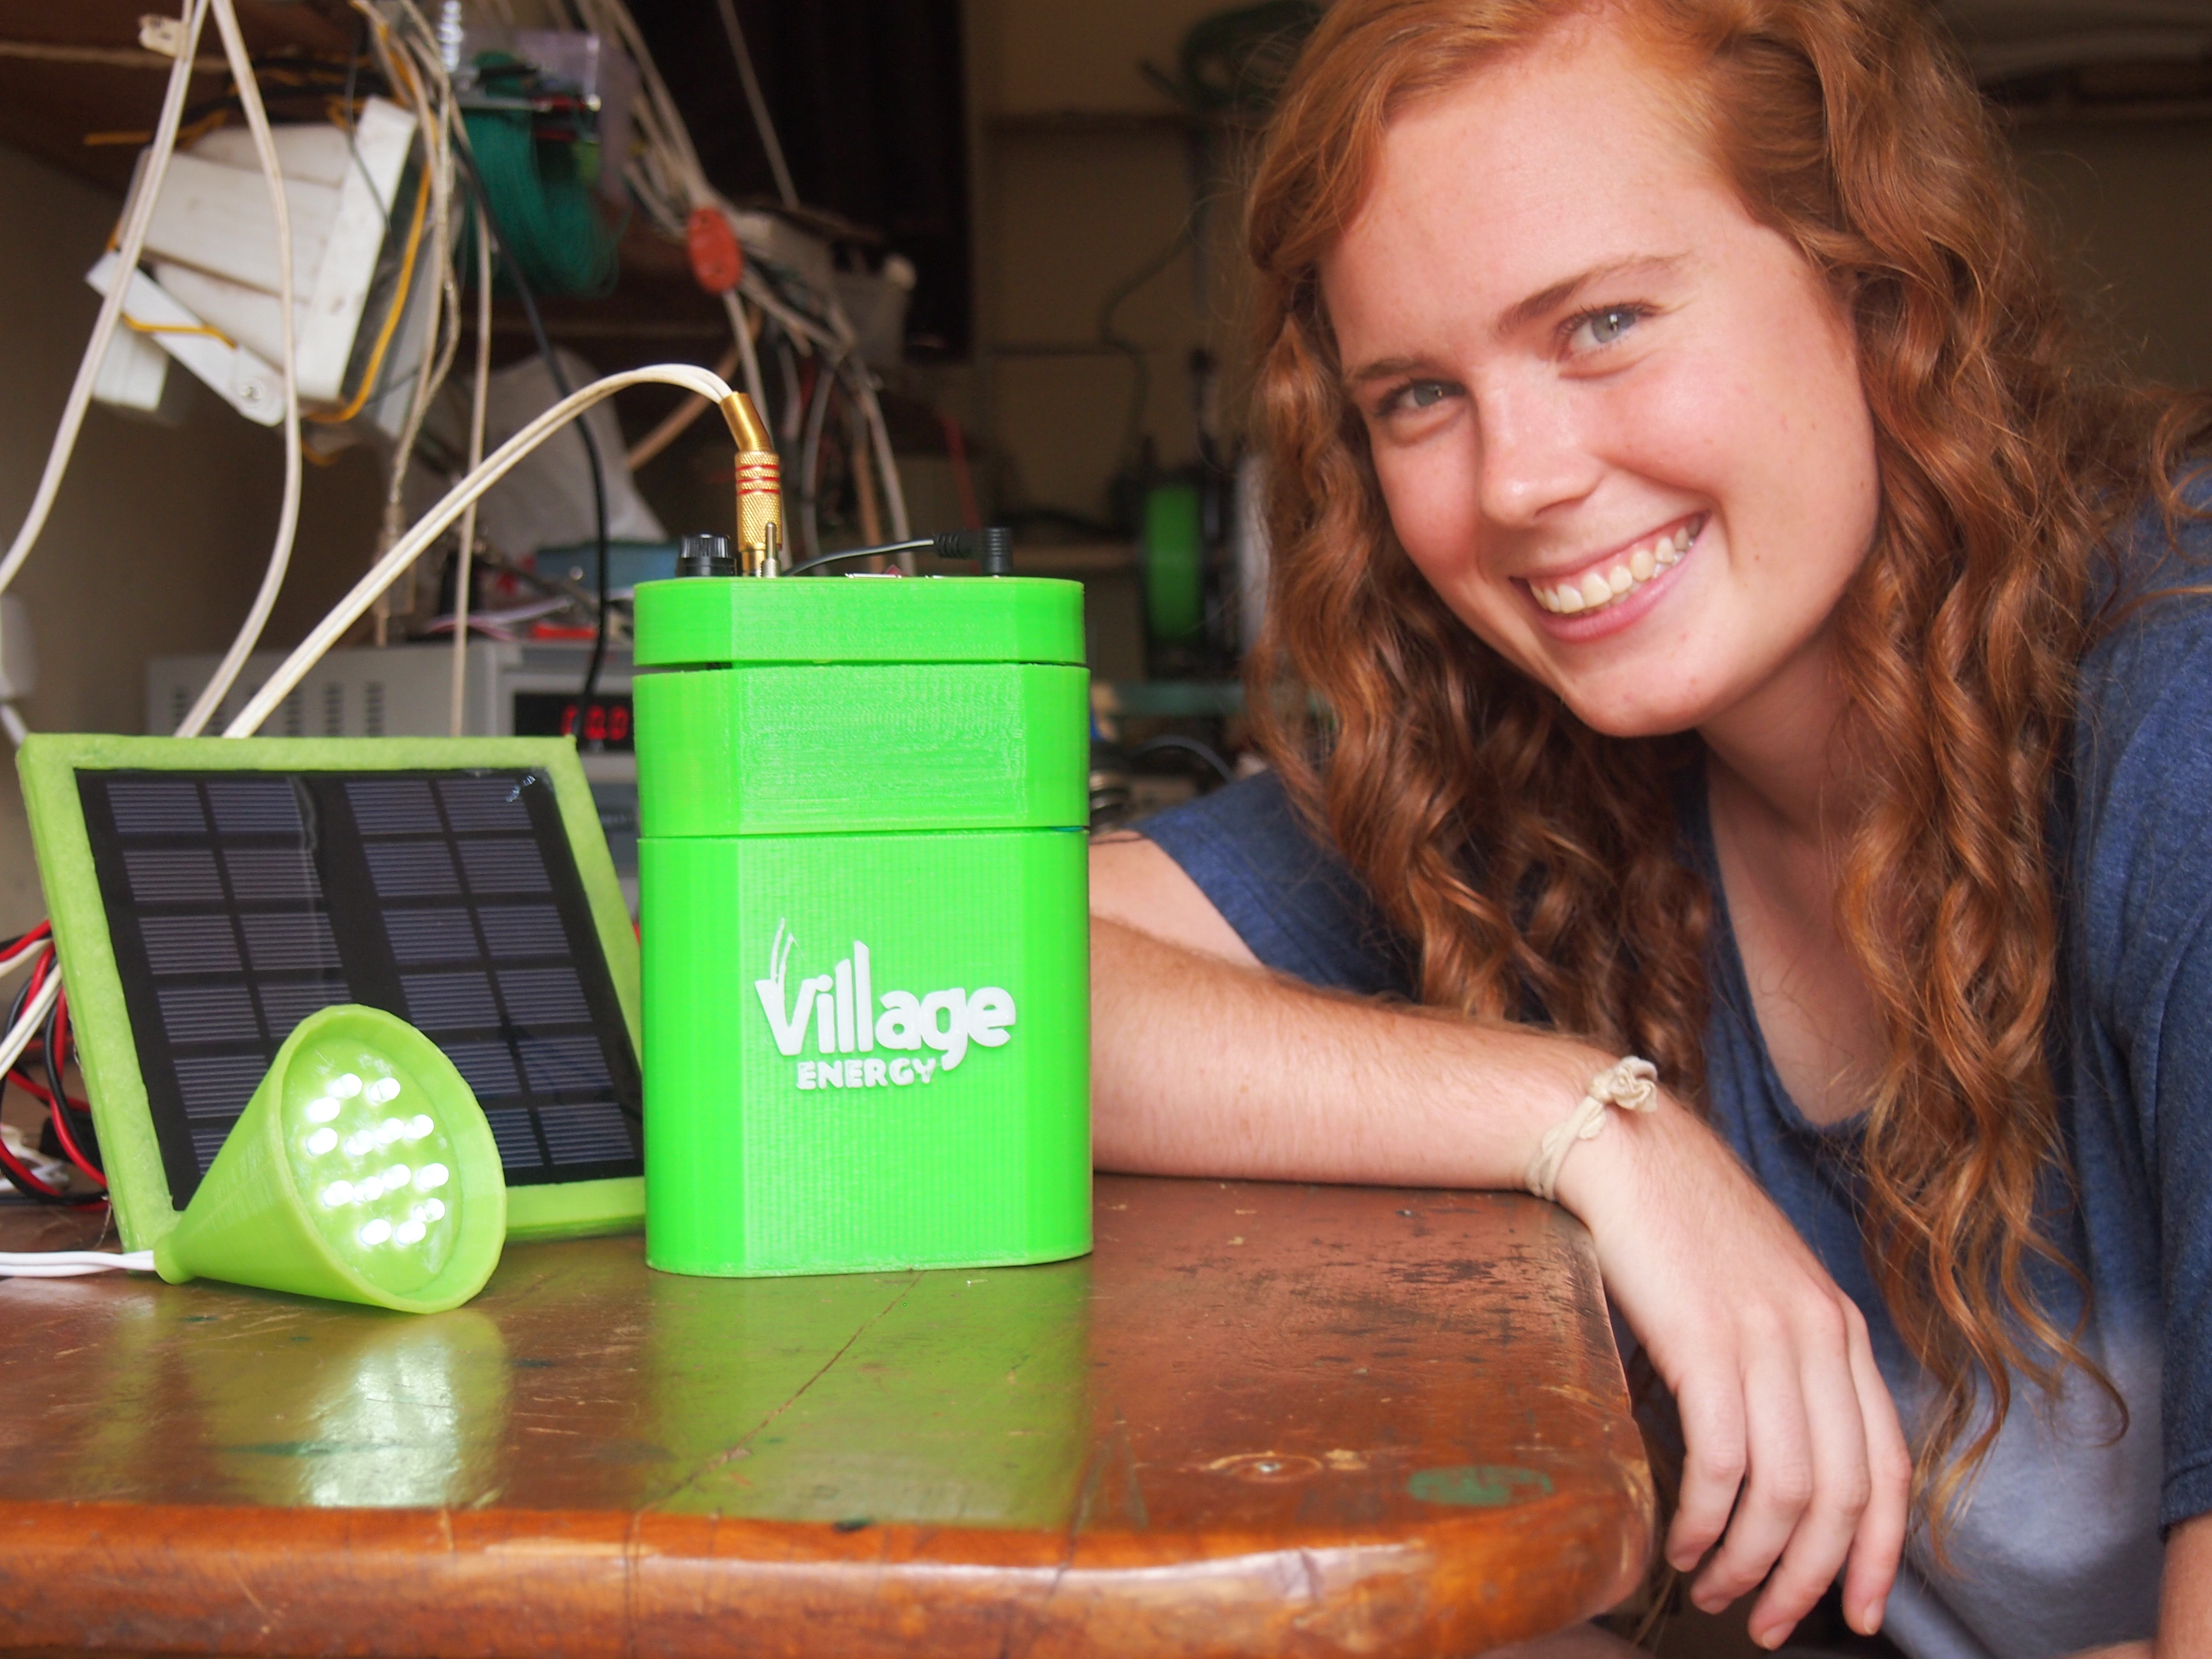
x=1608, y=584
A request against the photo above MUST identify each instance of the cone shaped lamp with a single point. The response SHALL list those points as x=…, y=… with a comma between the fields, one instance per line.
x=363, y=1170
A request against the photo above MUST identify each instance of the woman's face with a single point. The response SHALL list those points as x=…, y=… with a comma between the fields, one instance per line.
x=1619, y=424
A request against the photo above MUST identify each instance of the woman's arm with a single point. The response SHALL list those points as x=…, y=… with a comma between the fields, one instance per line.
x=1203, y=1063
x=2185, y=1610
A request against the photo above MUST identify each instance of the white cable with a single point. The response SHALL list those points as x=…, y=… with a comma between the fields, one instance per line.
x=476, y=459
x=809, y=458
x=137, y=214
x=437, y=140
x=432, y=524
x=770, y=142
x=34, y=1016
x=659, y=121
x=71, y=1264
x=430, y=95
x=809, y=335
x=748, y=358
x=11, y=722
x=893, y=494
x=288, y=515
x=667, y=168
x=27, y=954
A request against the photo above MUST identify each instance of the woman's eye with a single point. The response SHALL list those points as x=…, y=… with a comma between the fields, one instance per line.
x=1420, y=394
x=1603, y=328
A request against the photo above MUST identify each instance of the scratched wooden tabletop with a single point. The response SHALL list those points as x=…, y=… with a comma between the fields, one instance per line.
x=1259, y=1420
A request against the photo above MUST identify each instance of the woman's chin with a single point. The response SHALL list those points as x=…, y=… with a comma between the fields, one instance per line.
x=1631, y=717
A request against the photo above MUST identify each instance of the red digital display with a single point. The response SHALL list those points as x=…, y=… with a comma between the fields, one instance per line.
x=606, y=722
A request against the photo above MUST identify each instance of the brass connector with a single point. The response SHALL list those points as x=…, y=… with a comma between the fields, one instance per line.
x=760, y=489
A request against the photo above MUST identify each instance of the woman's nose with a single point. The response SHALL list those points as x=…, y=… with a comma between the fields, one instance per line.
x=1534, y=456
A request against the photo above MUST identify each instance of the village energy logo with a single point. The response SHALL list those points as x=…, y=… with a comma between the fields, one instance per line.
x=850, y=1020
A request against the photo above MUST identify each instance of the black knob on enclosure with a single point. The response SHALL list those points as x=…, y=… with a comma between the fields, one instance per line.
x=706, y=556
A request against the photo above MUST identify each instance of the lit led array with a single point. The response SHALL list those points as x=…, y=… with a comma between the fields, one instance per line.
x=375, y=1168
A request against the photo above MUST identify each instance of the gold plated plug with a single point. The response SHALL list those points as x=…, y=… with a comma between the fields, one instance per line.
x=760, y=489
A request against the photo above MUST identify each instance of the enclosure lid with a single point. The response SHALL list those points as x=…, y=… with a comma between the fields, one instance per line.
x=701, y=620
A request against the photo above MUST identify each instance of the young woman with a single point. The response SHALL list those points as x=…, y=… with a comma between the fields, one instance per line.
x=1749, y=640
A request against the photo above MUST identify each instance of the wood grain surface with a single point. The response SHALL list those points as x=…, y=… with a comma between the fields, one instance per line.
x=1259, y=1420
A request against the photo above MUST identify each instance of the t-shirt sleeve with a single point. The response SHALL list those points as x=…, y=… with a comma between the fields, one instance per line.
x=2145, y=817
x=1290, y=898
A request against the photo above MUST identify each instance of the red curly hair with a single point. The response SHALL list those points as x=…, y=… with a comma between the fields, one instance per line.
x=1535, y=863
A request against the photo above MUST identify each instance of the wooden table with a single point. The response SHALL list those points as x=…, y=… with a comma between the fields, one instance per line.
x=1261, y=1419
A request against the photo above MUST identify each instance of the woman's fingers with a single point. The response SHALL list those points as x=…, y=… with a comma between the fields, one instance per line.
x=1779, y=1484
x=1880, y=1537
x=1842, y=1486
x=1825, y=1473
x=1711, y=1404
x=1795, y=1462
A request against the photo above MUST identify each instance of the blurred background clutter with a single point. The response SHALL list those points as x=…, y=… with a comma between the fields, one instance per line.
x=978, y=261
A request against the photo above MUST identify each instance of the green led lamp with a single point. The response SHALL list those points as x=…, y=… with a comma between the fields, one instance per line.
x=363, y=1170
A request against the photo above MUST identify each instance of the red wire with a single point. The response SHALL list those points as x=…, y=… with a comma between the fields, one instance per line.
x=17, y=1171
x=22, y=1176
x=61, y=1130
x=39, y=1092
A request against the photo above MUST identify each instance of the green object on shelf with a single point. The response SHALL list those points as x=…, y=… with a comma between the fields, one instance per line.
x=1175, y=554
x=361, y=1171
x=544, y=198
x=862, y=807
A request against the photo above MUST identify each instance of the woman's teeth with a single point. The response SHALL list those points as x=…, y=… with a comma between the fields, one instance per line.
x=1595, y=589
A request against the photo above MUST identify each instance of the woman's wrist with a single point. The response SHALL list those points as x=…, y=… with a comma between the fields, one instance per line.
x=1625, y=1156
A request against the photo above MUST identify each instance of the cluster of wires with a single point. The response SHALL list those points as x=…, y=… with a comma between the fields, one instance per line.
x=40, y=1015
x=130, y=241
x=39, y=1036
x=772, y=310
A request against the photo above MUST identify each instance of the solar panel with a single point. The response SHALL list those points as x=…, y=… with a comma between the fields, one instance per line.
x=236, y=901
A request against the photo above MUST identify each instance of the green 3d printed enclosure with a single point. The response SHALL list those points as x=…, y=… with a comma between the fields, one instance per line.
x=862, y=862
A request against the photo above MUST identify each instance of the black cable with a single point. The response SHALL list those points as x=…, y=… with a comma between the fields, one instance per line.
x=583, y=426
x=1190, y=746
x=1140, y=388
x=993, y=549
x=15, y=1014
x=80, y=1131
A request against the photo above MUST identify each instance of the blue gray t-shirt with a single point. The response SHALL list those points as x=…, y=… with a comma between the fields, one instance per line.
x=2059, y=1549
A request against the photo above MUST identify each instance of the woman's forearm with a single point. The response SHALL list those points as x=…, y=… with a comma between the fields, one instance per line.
x=1200, y=1066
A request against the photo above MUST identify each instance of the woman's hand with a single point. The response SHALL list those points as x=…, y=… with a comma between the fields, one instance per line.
x=1202, y=1064
x=1788, y=1422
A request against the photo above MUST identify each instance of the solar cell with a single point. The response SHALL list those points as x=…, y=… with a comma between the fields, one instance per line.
x=238, y=905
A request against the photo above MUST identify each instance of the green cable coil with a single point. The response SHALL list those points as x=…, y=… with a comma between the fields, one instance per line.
x=543, y=201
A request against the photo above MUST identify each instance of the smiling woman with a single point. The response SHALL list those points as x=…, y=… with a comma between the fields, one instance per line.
x=1752, y=636
x=1570, y=352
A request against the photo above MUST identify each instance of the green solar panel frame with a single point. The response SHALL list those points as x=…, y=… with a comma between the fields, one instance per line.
x=49, y=764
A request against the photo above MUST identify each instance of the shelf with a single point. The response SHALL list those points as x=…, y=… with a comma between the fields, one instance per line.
x=47, y=106
x=1168, y=699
